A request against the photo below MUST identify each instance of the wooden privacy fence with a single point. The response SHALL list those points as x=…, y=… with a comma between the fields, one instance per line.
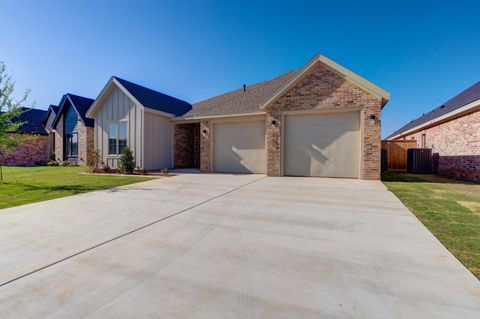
x=397, y=153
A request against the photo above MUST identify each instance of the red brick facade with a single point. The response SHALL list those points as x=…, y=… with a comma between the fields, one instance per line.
x=457, y=143
x=322, y=89
x=34, y=150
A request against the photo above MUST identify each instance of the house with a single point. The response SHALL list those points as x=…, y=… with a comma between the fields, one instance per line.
x=452, y=131
x=35, y=148
x=47, y=123
x=73, y=130
x=127, y=114
x=322, y=120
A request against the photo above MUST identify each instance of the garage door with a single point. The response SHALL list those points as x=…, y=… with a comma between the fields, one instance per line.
x=240, y=147
x=322, y=145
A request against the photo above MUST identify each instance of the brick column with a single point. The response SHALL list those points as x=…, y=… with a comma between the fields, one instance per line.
x=274, y=144
x=205, y=141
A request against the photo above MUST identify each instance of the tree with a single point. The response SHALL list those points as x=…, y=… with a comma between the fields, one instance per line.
x=127, y=162
x=10, y=109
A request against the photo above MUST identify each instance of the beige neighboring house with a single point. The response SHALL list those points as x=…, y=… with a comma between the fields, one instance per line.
x=322, y=120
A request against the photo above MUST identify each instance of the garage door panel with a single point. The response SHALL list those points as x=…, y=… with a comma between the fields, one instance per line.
x=322, y=145
x=240, y=147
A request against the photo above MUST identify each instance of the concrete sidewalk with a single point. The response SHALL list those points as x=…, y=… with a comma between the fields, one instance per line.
x=266, y=248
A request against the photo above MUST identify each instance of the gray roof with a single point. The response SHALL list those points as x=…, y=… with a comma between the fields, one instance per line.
x=469, y=95
x=239, y=101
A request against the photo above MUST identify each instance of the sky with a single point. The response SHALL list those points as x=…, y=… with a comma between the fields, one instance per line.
x=422, y=52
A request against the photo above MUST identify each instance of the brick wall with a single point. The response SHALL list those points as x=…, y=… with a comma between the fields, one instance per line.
x=322, y=88
x=457, y=143
x=186, y=147
x=59, y=140
x=85, y=142
x=34, y=150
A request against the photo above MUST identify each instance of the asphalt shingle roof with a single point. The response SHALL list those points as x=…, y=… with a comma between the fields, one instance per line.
x=239, y=101
x=469, y=95
x=155, y=100
x=33, y=121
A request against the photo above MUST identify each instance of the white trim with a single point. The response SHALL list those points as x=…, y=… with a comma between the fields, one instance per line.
x=473, y=106
x=195, y=118
x=355, y=78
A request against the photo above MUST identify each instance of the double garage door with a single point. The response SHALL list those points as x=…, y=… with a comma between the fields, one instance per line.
x=325, y=145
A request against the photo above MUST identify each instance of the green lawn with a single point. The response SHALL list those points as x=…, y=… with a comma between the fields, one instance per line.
x=450, y=209
x=23, y=185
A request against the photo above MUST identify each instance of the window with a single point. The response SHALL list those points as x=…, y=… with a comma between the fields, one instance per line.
x=71, y=145
x=122, y=136
x=112, y=138
x=117, y=137
x=424, y=140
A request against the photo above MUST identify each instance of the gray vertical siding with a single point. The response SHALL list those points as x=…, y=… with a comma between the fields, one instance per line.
x=158, y=141
x=118, y=106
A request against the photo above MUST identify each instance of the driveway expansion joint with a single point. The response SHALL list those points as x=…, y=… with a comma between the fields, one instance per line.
x=128, y=233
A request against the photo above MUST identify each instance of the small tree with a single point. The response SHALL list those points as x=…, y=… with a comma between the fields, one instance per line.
x=127, y=162
x=10, y=109
x=93, y=161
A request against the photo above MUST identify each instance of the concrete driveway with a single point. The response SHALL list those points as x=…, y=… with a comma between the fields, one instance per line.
x=229, y=246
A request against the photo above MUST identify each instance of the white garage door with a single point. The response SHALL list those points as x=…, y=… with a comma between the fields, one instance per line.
x=322, y=145
x=240, y=147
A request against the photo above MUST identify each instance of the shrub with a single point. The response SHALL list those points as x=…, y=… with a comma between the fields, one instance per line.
x=52, y=163
x=93, y=161
x=126, y=161
x=164, y=171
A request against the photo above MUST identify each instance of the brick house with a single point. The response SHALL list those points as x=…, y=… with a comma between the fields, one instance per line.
x=321, y=120
x=73, y=131
x=35, y=149
x=452, y=131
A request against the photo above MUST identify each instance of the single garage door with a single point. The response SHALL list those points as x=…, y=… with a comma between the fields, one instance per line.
x=240, y=147
x=322, y=145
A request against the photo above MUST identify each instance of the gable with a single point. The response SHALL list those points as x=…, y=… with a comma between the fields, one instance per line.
x=80, y=105
x=70, y=119
x=321, y=88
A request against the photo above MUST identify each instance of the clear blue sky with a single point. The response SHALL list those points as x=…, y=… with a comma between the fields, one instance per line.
x=422, y=52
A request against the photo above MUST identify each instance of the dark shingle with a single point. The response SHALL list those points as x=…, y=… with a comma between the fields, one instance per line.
x=82, y=104
x=239, y=101
x=32, y=119
x=469, y=95
x=155, y=100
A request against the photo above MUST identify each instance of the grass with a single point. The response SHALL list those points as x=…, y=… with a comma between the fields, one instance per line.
x=24, y=185
x=450, y=209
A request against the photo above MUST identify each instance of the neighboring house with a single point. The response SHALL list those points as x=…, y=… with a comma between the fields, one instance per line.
x=73, y=130
x=34, y=150
x=452, y=130
x=48, y=124
x=322, y=120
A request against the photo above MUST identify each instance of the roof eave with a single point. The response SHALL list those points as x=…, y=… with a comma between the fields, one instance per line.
x=355, y=78
x=468, y=108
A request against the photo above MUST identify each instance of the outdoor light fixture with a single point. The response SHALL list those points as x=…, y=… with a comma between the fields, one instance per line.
x=372, y=119
x=204, y=131
x=274, y=122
